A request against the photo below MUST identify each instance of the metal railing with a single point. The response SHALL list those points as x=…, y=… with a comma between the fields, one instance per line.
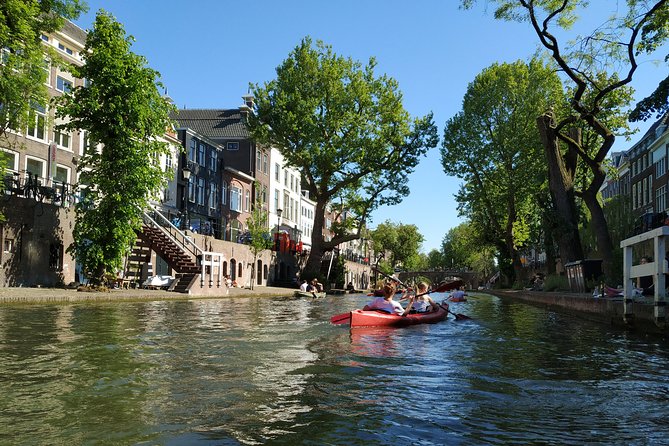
x=210, y=263
x=657, y=269
x=30, y=185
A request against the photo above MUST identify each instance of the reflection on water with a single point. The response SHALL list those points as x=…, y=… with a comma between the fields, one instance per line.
x=275, y=371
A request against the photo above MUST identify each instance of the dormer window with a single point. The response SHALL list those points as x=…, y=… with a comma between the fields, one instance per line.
x=233, y=145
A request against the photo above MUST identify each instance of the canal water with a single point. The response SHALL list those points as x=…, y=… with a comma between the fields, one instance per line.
x=275, y=371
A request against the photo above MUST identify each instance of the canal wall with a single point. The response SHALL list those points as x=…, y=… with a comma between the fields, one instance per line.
x=607, y=310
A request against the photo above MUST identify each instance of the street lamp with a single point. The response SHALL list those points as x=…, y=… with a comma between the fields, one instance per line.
x=186, y=174
x=279, y=212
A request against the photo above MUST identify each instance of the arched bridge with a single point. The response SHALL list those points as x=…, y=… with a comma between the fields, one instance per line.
x=469, y=277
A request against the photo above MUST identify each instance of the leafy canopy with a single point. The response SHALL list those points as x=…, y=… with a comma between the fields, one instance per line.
x=493, y=145
x=402, y=242
x=345, y=129
x=121, y=109
x=24, y=56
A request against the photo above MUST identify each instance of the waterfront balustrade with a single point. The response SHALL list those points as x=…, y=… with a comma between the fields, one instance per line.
x=657, y=269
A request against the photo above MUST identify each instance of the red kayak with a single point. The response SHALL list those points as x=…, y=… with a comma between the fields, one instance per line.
x=374, y=318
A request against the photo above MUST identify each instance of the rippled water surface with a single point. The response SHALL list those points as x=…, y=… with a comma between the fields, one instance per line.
x=275, y=371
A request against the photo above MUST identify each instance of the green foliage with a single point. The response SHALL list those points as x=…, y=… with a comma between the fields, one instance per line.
x=493, y=145
x=23, y=57
x=555, y=282
x=435, y=259
x=122, y=110
x=260, y=238
x=22, y=74
x=345, y=129
x=598, y=68
x=463, y=247
x=401, y=241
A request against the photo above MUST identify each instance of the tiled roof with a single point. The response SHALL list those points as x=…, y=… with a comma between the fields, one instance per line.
x=213, y=123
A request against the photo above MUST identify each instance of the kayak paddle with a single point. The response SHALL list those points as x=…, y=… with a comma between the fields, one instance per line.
x=339, y=319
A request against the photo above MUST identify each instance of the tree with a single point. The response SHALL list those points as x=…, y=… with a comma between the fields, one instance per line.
x=23, y=57
x=401, y=241
x=121, y=109
x=464, y=247
x=494, y=146
x=345, y=129
x=598, y=66
x=260, y=238
x=435, y=259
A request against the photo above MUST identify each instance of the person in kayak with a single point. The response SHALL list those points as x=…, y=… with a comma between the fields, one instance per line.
x=422, y=304
x=387, y=303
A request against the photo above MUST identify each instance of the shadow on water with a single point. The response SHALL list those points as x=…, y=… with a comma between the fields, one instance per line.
x=275, y=371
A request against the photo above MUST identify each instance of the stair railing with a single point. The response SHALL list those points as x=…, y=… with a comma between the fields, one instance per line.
x=208, y=261
x=175, y=234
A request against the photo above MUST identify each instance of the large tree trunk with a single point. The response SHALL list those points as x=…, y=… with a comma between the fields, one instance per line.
x=599, y=224
x=561, y=187
x=313, y=264
x=509, y=241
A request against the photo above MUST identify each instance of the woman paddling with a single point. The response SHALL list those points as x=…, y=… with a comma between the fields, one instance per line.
x=387, y=303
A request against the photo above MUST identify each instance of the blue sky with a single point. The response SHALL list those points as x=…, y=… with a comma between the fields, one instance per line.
x=208, y=51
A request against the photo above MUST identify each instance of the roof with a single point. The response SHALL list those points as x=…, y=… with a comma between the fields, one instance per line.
x=652, y=134
x=74, y=32
x=213, y=123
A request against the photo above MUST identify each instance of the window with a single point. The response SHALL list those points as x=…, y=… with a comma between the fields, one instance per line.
x=277, y=172
x=213, y=196
x=276, y=199
x=35, y=166
x=661, y=199
x=62, y=174
x=200, y=191
x=258, y=160
x=265, y=164
x=62, y=138
x=45, y=37
x=285, y=178
x=247, y=200
x=8, y=245
x=65, y=49
x=201, y=154
x=233, y=146
x=661, y=167
x=191, y=189
x=192, y=149
x=286, y=206
x=235, y=230
x=56, y=257
x=37, y=122
x=12, y=159
x=63, y=84
x=224, y=193
x=235, y=199
x=213, y=160
x=169, y=163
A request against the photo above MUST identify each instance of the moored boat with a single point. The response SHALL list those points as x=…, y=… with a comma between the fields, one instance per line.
x=374, y=318
x=310, y=294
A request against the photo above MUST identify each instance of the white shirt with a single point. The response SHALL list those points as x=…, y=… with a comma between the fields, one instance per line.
x=391, y=306
x=303, y=287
